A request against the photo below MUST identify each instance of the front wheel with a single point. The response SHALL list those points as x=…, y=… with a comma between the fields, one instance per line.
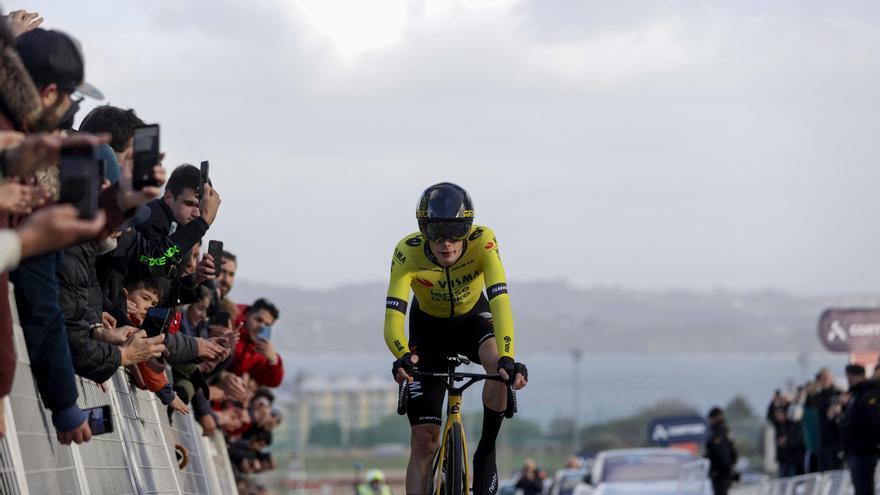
x=454, y=463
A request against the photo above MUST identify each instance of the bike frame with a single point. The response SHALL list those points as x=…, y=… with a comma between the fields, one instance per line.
x=453, y=412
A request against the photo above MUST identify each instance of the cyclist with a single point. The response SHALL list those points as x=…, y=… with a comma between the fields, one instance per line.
x=447, y=264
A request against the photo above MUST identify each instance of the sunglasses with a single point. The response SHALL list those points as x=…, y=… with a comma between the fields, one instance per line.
x=453, y=231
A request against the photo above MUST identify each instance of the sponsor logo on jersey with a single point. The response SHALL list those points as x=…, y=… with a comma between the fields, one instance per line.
x=475, y=234
x=426, y=283
x=396, y=304
x=458, y=281
x=489, y=245
x=496, y=290
x=399, y=256
x=507, y=344
x=413, y=242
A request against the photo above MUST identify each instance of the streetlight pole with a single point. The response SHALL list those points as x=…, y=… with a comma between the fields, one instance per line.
x=576, y=355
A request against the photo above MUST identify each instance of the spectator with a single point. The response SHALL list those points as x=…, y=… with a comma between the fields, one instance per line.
x=827, y=402
x=811, y=429
x=120, y=124
x=860, y=429
x=194, y=321
x=721, y=453
x=81, y=311
x=39, y=99
x=178, y=220
x=529, y=481
x=143, y=295
x=256, y=355
x=374, y=484
x=247, y=453
x=783, y=454
x=93, y=335
x=226, y=277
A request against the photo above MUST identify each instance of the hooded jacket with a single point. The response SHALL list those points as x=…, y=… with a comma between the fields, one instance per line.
x=860, y=422
x=82, y=303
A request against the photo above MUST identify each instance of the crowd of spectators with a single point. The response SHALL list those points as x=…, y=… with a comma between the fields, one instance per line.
x=824, y=427
x=87, y=289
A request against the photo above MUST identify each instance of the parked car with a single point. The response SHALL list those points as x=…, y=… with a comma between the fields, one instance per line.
x=655, y=471
x=566, y=480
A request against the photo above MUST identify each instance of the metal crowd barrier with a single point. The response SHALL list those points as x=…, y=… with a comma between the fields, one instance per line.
x=137, y=458
x=826, y=483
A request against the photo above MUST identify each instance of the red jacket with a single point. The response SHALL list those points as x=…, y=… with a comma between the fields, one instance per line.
x=248, y=360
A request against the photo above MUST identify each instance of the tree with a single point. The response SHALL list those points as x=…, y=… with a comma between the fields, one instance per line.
x=391, y=429
x=326, y=434
x=630, y=431
x=739, y=408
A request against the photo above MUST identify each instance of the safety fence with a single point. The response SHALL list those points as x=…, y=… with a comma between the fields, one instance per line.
x=826, y=483
x=147, y=452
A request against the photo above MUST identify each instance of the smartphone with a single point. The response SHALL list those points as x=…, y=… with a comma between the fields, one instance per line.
x=215, y=249
x=80, y=179
x=265, y=333
x=205, y=179
x=146, y=156
x=156, y=321
x=100, y=419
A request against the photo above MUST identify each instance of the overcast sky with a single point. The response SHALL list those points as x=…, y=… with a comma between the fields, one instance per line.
x=640, y=144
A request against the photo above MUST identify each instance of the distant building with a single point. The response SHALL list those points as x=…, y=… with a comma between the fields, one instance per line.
x=352, y=402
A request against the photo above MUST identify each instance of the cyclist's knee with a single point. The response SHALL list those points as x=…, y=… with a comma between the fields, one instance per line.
x=424, y=440
x=489, y=355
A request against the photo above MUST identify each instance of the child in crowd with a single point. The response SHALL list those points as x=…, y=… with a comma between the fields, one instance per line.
x=142, y=295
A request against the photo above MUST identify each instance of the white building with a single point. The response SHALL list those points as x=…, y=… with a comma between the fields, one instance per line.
x=353, y=402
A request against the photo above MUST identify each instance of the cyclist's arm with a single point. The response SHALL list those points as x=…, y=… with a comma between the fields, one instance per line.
x=496, y=290
x=395, y=306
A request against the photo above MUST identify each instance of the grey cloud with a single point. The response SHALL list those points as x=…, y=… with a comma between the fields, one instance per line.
x=634, y=143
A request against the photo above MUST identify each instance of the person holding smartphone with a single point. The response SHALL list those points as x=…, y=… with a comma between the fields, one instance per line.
x=37, y=94
x=254, y=352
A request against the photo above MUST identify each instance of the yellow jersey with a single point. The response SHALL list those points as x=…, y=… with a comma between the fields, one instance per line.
x=448, y=292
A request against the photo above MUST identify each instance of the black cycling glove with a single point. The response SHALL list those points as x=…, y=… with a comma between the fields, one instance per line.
x=512, y=368
x=404, y=362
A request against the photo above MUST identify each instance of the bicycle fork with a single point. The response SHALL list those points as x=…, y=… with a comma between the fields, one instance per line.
x=453, y=416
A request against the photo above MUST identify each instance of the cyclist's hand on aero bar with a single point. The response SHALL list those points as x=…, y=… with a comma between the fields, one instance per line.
x=403, y=367
x=507, y=368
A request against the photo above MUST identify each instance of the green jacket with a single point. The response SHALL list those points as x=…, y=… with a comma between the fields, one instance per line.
x=810, y=425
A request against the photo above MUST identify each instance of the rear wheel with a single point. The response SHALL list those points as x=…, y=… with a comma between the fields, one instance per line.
x=455, y=484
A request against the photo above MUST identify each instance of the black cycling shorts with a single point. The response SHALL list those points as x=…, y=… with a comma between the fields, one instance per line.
x=433, y=339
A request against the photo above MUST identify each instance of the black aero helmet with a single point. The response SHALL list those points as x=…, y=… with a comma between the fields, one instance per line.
x=445, y=211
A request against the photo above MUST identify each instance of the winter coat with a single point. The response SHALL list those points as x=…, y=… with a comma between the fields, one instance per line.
x=82, y=304
x=860, y=422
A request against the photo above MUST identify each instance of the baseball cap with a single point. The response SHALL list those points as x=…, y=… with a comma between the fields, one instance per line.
x=55, y=57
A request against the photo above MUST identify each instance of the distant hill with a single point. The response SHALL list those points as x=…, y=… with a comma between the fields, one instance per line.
x=554, y=316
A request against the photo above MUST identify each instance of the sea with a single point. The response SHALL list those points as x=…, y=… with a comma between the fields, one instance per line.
x=602, y=387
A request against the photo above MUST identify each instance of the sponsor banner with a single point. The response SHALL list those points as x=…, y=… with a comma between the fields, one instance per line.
x=678, y=430
x=850, y=330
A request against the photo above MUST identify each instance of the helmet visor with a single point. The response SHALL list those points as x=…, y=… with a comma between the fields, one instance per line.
x=453, y=231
